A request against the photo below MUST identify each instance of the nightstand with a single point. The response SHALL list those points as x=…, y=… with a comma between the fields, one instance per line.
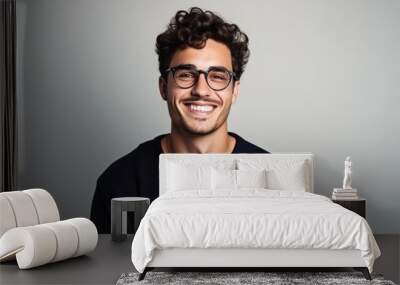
x=120, y=207
x=358, y=206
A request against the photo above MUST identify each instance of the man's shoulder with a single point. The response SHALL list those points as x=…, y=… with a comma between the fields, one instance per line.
x=244, y=146
x=144, y=152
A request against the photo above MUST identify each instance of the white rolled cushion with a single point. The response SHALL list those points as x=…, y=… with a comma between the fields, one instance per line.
x=23, y=208
x=283, y=174
x=187, y=177
x=67, y=240
x=87, y=234
x=40, y=244
x=251, y=178
x=33, y=245
x=45, y=205
x=7, y=218
x=223, y=179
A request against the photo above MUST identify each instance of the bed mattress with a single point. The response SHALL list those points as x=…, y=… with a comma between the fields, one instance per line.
x=251, y=219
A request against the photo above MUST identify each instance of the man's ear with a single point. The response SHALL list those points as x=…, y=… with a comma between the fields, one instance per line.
x=162, y=85
x=235, y=93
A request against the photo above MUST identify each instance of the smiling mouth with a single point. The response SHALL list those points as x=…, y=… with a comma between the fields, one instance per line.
x=200, y=110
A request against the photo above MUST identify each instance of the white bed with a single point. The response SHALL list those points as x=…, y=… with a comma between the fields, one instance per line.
x=201, y=226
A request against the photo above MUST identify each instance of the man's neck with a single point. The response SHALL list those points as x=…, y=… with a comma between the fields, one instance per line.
x=217, y=142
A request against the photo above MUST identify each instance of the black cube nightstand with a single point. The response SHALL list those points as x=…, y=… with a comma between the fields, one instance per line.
x=358, y=206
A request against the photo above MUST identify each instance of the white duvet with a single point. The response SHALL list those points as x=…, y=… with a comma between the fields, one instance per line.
x=251, y=218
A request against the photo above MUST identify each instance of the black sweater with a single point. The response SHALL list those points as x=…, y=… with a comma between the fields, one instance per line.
x=136, y=174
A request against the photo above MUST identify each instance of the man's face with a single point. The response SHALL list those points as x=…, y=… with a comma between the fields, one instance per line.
x=183, y=103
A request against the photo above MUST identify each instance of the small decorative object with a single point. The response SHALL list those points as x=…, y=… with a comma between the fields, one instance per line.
x=347, y=174
x=347, y=192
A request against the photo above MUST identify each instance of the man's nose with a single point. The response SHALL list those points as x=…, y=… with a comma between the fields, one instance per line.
x=201, y=87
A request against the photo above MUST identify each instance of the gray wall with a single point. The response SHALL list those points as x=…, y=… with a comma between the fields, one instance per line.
x=322, y=77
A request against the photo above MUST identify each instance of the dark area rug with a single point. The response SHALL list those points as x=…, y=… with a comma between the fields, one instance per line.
x=230, y=278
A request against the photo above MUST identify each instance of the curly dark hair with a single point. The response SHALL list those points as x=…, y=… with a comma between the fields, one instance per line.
x=193, y=28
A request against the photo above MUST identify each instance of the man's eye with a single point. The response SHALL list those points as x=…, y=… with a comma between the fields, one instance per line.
x=185, y=75
x=218, y=76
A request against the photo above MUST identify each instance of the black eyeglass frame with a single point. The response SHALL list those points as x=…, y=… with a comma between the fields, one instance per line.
x=173, y=69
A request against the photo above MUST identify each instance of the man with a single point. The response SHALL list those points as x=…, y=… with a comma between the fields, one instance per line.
x=201, y=59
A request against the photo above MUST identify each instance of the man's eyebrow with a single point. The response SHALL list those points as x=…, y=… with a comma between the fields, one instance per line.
x=185, y=66
x=218, y=67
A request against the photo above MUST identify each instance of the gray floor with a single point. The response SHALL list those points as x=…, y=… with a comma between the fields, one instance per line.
x=389, y=262
x=110, y=260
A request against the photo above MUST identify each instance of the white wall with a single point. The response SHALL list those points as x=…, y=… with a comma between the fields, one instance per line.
x=322, y=77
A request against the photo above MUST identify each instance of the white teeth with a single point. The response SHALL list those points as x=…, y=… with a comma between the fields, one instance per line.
x=201, y=108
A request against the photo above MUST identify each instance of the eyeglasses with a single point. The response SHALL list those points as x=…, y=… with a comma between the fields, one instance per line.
x=186, y=76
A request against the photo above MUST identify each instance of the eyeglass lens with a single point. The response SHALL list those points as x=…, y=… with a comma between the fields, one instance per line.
x=217, y=79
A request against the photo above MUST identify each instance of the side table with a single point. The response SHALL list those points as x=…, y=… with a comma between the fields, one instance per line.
x=119, y=208
x=358, y=206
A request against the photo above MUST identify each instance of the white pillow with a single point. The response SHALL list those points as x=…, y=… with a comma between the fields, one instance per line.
x=188, y=177
x=223, y=179
x=203, y=161
x=282, y=174
x=251, y=178
x=287, y=179
x=236, y=179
